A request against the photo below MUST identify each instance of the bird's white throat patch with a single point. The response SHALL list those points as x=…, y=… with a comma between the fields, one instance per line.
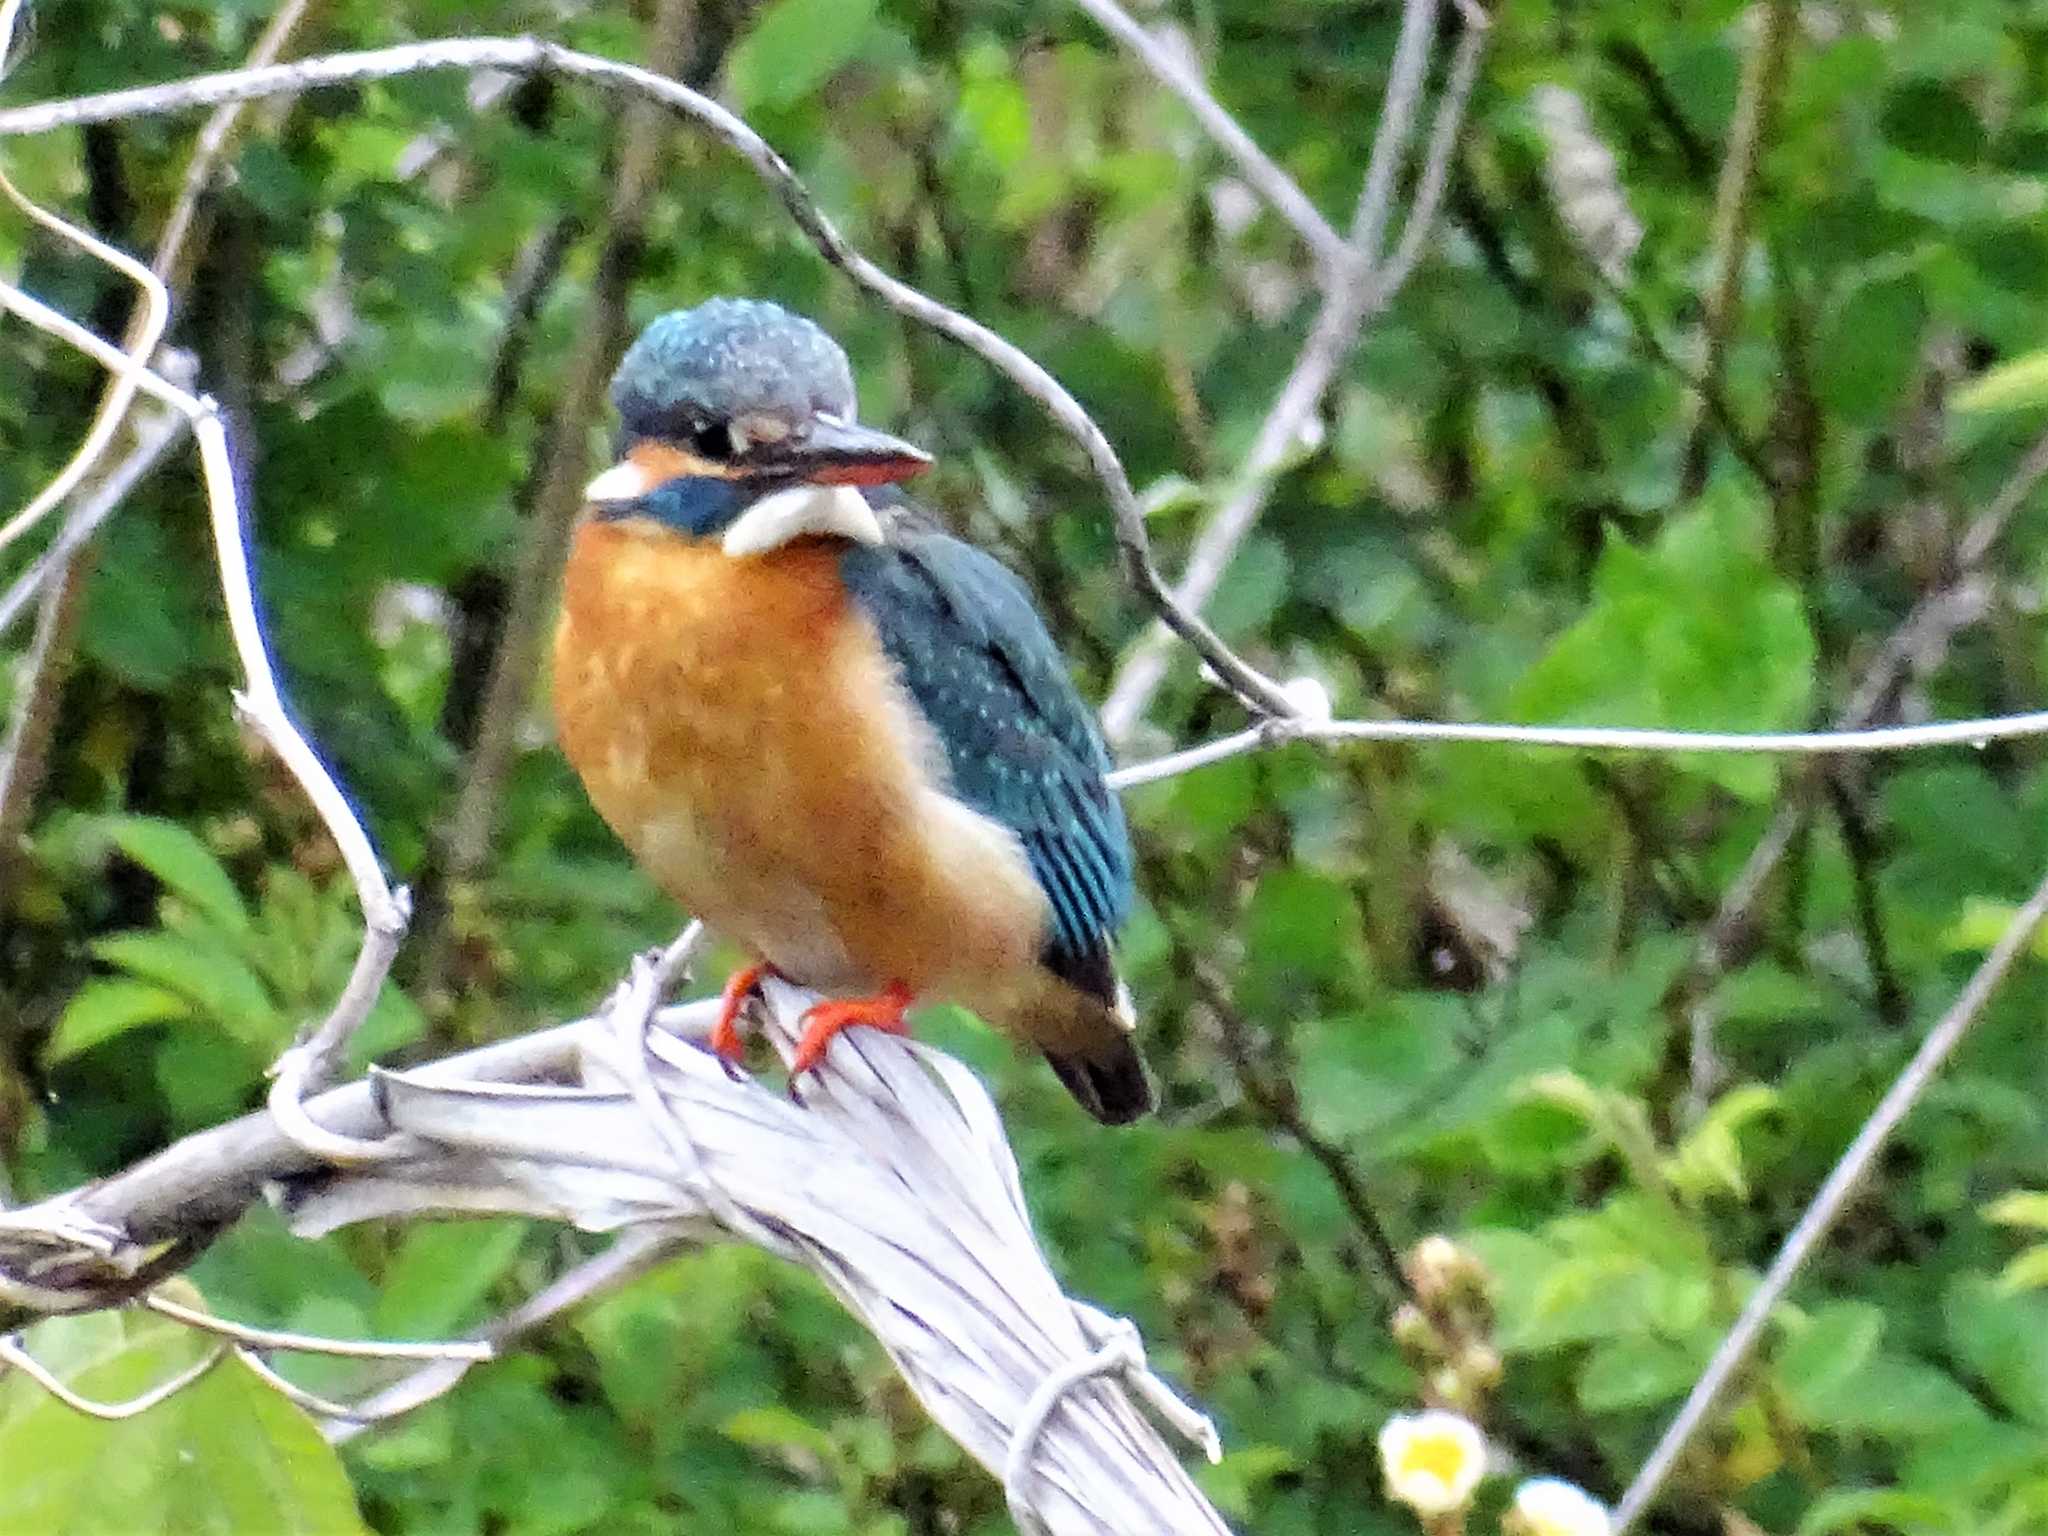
x=801, y=511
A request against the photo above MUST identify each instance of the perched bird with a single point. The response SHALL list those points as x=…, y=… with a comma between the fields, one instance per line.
x=840, y=736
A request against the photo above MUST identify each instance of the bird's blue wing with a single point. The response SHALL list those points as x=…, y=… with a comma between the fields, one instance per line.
x=1021, y=747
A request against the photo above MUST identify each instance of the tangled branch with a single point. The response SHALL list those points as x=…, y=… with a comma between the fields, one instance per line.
x=892, y=1181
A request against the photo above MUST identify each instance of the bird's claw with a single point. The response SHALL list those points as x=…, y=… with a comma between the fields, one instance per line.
x=727, y=1044
x=824, y=1021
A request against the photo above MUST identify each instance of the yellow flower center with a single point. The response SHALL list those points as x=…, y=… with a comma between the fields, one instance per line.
x=1437, y=1456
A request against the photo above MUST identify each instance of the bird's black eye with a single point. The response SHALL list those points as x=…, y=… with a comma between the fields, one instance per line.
x=713, y=442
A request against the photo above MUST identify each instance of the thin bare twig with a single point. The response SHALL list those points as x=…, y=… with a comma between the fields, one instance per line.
x=1590, y=738
x=632, y=1253
x=32, y=719
x=1922, y=637
x=13, y=1353
x=1282, y=1110
x=563, y=471
x=1827, y=1207
x=24, y=759
x=35, y=707
x=313, y=1344
x=1763, y=79
x=1260, y=171
x=529, y=55
x=1357, y=290
x=153, y=314
x=262, y=707
x=155, y=438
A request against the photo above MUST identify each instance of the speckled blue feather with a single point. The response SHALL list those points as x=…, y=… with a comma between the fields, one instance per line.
x=1022, y=748
x=701, y=365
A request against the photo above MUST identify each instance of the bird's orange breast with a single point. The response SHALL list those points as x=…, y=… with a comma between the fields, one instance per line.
x=738, y=725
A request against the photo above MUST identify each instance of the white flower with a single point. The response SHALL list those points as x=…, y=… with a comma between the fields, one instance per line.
x=1311, y=700
x=1432, y=1460
x=1550, y=1506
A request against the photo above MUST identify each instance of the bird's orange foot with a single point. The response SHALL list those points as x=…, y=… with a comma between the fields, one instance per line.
x=725, y=1034
x=824, y=1020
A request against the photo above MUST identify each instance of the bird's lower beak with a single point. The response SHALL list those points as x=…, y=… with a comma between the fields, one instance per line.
x=846, y=453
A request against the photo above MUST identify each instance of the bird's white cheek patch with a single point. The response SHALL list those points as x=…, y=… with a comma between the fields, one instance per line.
x=804, y=510
x=624, y=481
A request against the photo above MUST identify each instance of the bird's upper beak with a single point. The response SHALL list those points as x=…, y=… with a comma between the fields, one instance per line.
x=830, y=452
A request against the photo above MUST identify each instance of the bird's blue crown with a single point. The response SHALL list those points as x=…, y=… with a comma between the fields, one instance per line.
x=724, y=358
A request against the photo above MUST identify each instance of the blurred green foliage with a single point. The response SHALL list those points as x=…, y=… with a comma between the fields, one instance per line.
x=1433, y=986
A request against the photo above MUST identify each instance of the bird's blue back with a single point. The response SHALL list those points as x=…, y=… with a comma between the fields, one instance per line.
x=1021, y=747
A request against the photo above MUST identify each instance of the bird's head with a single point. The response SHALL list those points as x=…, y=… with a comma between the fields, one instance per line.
x=737, y=423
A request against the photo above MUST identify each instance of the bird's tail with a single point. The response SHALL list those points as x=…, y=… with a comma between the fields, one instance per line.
x=1090, y=1046
x=1111, y=1086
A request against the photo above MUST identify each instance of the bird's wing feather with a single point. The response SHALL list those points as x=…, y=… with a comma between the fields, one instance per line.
x=1020, y=746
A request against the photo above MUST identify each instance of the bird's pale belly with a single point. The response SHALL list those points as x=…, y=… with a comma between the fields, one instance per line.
x=737, y=724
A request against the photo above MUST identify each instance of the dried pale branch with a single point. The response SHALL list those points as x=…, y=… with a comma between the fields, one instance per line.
x=1260, y=171
x=1358, y=289
x=530, y=55
x=892, y=1180
x=1826, y=1209
x=311, y=1402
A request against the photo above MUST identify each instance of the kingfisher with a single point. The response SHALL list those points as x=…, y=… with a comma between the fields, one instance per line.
x=836, y=733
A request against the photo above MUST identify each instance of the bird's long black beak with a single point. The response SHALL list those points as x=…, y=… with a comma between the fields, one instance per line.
x=829, y=452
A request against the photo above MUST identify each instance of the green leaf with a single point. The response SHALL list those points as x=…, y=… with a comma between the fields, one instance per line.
x=1305, y=926
x=1237, y=1481
x=2022, y=1208
x=1892, y=1397
x=1982, y=923
x=793, y=46
x=224, y=1456
x=995, y=116
x=182, y=862
x=1860, y=1509
x=1694, y=631
x=2020, y=385
x=214, y=982
x=1871, y=347
x=1929, y=119
x=104, y=1008
x=1640, y=1371
x=1709, y=1159
x=2027, y=1272
x=2003, y=1338
x=775, y=1428
x=1825, y=1348
x=441, y=1272
x=142, y=618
